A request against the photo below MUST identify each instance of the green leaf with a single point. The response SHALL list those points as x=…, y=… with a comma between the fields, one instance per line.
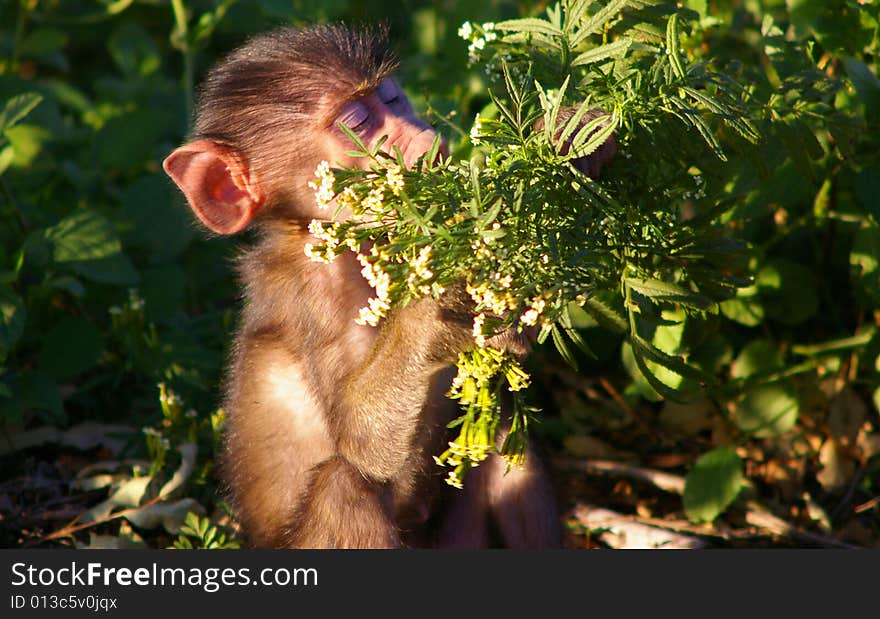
x=788, y=291
x=567, y=324
x=117, y=270
x=129, y=140
x=867, y=187
x=660, y=291
x=746, y=308
x=864, y=260
x=729, y=115
x=642, y=386
x=672, y=48
x=598, y=20
x=529, y=24
x=574, y=122
x=133, y=51
x=17, y=108
x=42, y=42
x=803, y=13
x=700, y=6
x=12, y=319
x=700, y=97
x=551, y=112
x=578, y=317
x=164, y=290
x=712, y=484
x=795, y=138
x=27, y=142
x=575, y=11
x=767, y=410
x=562, y=347
x=757, y=357
x=84, y=235
x=675, y=364
x=605, y=315
x=862, y=338
x=616, y=49
x=33, y=391
x=157, y=221
x=596, y=138
x=662, y=389
x=867, y=85
x=208, y=22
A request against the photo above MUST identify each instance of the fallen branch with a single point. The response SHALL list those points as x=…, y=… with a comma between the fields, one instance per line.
x=664, y=481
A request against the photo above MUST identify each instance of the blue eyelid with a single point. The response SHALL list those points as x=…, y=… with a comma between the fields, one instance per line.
x=388, y=91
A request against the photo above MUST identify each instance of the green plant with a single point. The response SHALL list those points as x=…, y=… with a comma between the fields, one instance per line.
x=640, y=249
x=198, y=532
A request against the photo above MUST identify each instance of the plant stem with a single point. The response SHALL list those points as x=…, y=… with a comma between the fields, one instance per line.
x=188, y=57
x=20, y=23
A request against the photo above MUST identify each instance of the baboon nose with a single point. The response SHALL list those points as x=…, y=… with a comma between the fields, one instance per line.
x=421, y=144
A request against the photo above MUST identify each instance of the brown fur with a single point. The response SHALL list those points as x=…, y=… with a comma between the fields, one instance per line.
x=332, y=426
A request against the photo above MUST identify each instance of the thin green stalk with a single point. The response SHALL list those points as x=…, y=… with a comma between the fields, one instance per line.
x=20, y=24
x=188, y=56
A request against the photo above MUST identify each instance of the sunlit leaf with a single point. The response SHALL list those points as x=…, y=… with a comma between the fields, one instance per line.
x=756, y=357
x=83, y=235
x=713, y=484
x=17, y=108
x=767, y=410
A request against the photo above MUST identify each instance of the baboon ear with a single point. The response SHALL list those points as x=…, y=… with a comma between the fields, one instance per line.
x=217, y=184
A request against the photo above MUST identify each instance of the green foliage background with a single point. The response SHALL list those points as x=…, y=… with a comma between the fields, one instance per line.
x=108, y=289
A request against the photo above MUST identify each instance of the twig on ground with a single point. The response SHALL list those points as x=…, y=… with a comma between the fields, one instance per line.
x=664, y=481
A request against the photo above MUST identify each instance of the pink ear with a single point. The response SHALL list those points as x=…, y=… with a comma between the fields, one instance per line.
x=216, y=183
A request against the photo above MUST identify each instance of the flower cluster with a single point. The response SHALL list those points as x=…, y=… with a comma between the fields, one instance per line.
x=325, y=231
x=494, y=297
x=378, y=306
x=476, y=131
x=349, y=199
x=531, y=315
x=478, y=37
x=371, y=207
x=394, y=179
x=474, y=388
x=323, y=187
x=419, y=278
x=478, y=330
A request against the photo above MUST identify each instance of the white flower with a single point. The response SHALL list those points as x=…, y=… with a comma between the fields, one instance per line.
x=322, y=253
x=479, y=338
x=372, y=204
x=476, y=45
x=324, y=189
x=476, y=130
x=466, y=31
x=530, y=317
